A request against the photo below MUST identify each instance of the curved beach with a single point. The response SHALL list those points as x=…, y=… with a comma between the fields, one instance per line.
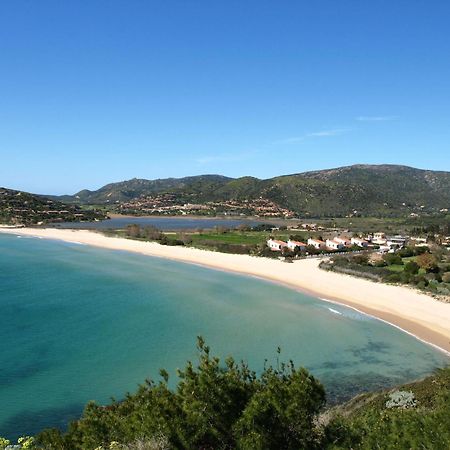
x=416, y=313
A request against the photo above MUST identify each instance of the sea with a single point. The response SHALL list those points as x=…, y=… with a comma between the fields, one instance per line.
x=82, y=324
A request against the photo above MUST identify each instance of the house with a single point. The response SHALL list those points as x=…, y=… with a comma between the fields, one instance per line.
x=341, y=240
x=334, y=244
x=379, y=238
x=276, y=245
x=296, y=244
x=316, y=243
x=359, y=242
x=396, y=241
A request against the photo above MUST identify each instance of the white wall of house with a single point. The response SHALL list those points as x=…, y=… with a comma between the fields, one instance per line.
x=294, y=244
x=334, y=244
x=315, y=243
x=273, y=244
x=359, y=242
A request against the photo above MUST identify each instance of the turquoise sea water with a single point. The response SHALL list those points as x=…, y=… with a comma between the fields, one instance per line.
x=80, y=323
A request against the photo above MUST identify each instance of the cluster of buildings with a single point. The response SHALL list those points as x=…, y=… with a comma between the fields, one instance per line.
x=171, y=204
x=337, y=243
x=376, y=241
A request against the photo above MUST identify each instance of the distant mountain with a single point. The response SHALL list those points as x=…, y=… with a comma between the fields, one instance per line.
x=17, y=207
x=368, y=190
x=131, y=189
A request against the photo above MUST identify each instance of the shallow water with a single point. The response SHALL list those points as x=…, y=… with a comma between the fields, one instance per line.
x=81, y=323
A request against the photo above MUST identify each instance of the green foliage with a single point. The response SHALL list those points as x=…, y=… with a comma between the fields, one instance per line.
x=406, y=252
x=427, y=261
x=24, y=442
x=424, y=424
x=392, y=258
x=282, y=413
x=215, y=406
x=412, y=267
x=18, y=207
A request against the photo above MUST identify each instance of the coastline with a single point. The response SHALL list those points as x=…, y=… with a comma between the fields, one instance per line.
x=417, y=314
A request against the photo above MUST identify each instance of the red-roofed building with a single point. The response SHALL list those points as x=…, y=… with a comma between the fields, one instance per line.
x=276, y=245
x=296, y=244
x=319, y=245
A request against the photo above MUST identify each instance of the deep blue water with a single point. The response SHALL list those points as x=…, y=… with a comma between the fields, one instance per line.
x=80, y=324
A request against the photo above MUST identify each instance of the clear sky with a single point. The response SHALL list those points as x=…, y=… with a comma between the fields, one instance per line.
x=98, y=91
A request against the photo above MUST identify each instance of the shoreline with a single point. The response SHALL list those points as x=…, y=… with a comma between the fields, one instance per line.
x=417, y=314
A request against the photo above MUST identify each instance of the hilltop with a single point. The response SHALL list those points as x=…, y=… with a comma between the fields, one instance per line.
x=360, y=190
x=17, y=207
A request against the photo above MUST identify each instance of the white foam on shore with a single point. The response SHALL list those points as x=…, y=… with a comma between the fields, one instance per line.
x=334, y=311
x=386, y=322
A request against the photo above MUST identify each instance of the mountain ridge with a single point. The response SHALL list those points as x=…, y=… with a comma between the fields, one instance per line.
x=384, y=189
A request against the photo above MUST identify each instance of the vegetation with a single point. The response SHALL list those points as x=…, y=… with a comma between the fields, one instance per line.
x=361, y=190
x=421, y=267
x=214, y=406
x=414, y=417
x=225, y=405
x=241, y=240
x=18, y=207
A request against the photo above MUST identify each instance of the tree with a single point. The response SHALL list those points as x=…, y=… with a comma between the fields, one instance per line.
x=392, y=259
x=216, y=405
x=282, y=412
x=412, y=267
x=427, y=261
x=133, y=230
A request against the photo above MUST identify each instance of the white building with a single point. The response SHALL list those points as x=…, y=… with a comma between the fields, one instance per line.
x=334, y=244
x=379, y=238
x=341, y=240
x=396, y=241
x=276, y=245
x=316, y=243
x=296, y=244
x=359, y=242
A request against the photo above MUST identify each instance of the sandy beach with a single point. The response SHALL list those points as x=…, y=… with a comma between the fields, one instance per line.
x=416, y=313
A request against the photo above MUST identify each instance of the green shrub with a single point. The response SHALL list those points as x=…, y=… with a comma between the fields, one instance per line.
x=411, y=267
x=214, y=406
x=393, y=278
x=392, y=259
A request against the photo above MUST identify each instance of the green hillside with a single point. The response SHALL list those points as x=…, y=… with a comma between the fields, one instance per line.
x=17, y=207
x=366, y=190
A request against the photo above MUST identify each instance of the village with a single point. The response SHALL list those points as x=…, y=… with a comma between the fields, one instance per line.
x=378, y=241
x=172, y=204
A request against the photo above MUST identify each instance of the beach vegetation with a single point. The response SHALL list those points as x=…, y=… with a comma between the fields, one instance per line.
x=222, y=404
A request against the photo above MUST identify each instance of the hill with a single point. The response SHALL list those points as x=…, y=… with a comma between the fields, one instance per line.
x=17, y=207
x=366, y=190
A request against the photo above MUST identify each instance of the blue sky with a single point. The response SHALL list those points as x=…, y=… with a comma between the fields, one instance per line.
x=98, y=91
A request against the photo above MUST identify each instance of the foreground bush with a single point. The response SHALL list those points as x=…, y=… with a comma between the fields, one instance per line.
x=214, y=406
x=227, y=406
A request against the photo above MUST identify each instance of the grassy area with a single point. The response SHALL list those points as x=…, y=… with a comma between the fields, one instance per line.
x=387, y=225
x=236, y=237
x=232, y=237
x=396, y=268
